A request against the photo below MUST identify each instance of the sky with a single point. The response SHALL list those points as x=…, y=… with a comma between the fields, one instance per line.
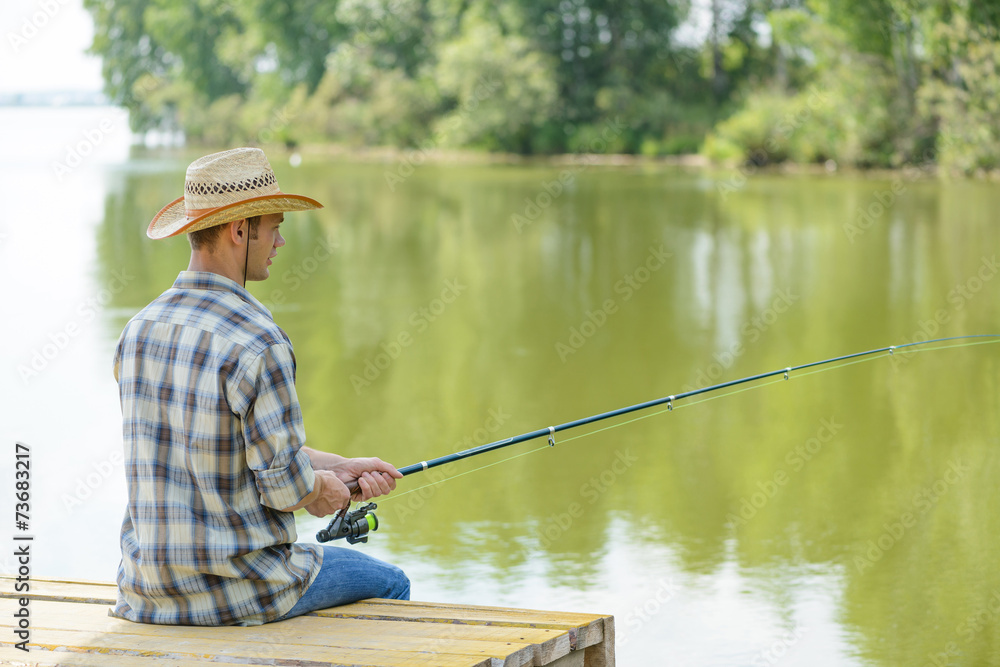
x=43, y=44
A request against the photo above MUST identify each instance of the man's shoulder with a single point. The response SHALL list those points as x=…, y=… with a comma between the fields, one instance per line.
x=219, y=315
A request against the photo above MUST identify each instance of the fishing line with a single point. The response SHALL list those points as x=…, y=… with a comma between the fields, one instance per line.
x=823, y=366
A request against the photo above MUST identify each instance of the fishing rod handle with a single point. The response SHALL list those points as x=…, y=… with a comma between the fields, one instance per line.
x=353, y=486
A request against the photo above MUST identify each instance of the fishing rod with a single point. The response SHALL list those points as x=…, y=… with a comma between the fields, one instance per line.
x=355, y=525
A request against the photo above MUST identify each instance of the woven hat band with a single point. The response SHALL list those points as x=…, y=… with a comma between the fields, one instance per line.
x=202, y=193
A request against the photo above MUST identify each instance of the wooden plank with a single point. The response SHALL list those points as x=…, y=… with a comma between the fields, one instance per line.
x=94, y=618
x=544, y=644
x=335, y=649
x=574, y=659
x=58, y=589
x=578, y=618
x=466, y=614
x=69, y=582
x=115, y=645
x=603, y=654
x=39, y=658
x=581, y=636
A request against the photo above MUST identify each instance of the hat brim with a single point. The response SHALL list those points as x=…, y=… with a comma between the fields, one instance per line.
x=173, y=219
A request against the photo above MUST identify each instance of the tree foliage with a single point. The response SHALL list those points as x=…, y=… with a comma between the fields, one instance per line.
x=901, y=81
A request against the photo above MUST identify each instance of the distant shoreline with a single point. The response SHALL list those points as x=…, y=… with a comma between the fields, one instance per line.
x=466, y=156
x=56, y=99
x=694, y=161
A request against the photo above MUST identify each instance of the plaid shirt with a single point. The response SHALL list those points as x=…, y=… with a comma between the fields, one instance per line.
x=213, y=436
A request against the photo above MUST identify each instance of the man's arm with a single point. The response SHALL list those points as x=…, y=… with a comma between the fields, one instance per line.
x=273, y=430
x=322, y=460
x=374, y=476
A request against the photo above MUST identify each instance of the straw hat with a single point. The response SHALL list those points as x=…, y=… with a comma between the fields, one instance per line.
x=223, y=187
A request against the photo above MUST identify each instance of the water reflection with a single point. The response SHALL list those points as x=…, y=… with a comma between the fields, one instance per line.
x=424, y=321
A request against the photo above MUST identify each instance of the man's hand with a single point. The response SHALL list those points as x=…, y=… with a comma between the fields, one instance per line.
x=375, y=477
x=331, y=495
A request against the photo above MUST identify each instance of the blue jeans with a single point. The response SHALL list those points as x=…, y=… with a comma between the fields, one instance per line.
x=346, y=576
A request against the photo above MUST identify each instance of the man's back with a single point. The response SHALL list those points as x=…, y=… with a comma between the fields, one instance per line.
x=203, y=371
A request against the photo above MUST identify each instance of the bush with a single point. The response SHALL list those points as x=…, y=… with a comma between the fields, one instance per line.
x=966, y=110
x=847, y=119
x=603, y=138
x=760, y=133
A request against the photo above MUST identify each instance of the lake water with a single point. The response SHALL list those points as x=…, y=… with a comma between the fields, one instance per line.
x=847, y=517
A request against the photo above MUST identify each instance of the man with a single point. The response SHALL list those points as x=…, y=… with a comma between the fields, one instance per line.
x=213, y=433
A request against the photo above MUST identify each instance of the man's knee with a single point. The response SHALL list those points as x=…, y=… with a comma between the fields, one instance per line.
x=400, y=587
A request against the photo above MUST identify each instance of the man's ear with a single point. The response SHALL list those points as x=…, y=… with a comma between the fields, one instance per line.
x=237, y=231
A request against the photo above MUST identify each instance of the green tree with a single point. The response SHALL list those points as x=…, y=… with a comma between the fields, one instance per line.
x=609, y=55
x=498, y=88
x=129, y=56
x=962, y=97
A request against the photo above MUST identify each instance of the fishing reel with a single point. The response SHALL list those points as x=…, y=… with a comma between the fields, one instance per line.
x=352, y=525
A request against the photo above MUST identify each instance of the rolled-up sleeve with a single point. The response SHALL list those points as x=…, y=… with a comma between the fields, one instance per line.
x=274, y=433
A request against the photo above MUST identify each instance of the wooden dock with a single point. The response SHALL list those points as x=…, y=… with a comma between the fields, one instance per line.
x=69, y=625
